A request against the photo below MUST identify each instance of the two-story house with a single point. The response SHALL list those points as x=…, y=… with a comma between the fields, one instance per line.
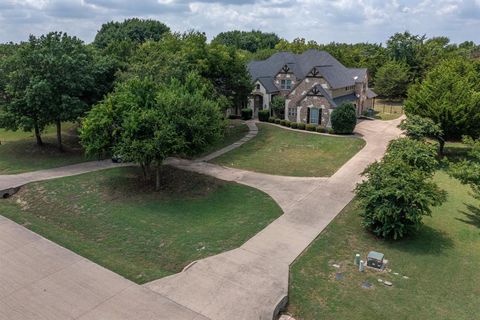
x=313, y=84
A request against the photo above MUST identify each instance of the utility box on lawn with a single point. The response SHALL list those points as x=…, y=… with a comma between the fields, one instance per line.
x=375, y=259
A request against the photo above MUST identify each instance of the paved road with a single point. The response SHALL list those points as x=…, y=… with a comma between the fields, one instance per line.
x=41, y=280
x=252, y=281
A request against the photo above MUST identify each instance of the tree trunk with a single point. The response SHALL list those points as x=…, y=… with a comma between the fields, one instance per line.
x=59, y=135
x=442, y=147
x=37, y=134
x=144, y=171
x=157, y=177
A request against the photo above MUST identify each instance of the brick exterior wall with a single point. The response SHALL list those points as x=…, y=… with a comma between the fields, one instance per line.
x=285, y=76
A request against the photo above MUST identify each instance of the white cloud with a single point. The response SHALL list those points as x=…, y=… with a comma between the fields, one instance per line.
x=320, y=20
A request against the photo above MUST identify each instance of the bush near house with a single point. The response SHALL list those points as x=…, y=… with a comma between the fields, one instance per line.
x=288, y=123
x=301, y=126
x=283, y=123
x=263, y=115
x=311, y=127
x=277, y=121
x=247, y=113
x=344, y=119
x=271, y=119
x=321, y=129
x=294, y=125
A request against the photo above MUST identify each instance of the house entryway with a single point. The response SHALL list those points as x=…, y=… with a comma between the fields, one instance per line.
x=257, y=104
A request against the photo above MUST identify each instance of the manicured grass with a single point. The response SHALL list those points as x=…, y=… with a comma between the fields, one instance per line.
x=284, y=152
x=19, y=152
x=388, y=110
x=442, y=262
x=114, y=219
x=234, y=131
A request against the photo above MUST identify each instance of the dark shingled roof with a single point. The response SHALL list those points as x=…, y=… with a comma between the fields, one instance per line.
x=336, y=74
x=348, y=98
x=371, y=94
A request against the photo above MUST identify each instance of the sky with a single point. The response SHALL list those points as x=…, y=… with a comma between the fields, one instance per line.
x=320, y=20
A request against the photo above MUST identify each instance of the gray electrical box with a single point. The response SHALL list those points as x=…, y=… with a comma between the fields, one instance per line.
x=375, y=259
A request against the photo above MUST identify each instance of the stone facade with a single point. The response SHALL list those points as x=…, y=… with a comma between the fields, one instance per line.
x=318, y=81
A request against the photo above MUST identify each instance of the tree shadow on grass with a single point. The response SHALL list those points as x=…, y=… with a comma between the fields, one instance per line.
x=426, y=240
x=472, y=217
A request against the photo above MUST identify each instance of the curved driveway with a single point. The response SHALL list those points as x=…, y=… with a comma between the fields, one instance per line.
x=252, y=281
x=41, y=280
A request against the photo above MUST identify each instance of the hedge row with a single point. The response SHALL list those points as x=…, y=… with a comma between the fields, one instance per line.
x=296, y=125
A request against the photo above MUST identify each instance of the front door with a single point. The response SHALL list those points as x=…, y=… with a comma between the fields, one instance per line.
x=314, y=116
x=257, y=104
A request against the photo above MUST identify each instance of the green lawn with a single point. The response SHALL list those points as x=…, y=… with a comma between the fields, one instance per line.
x=442, y=262
x=284, y=152
x=112, y=218
x=19, y=152
x=388, y=110
x=235, y=130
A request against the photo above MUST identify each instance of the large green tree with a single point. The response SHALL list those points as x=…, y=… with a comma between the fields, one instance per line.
x=176, y=55
x=450, y=96
x=144, y=122
x=251, y=41
x=392, y=80
x=419, y=128
x=49, y=80
x=468, y=170
x=399, y=190
x=130, y=30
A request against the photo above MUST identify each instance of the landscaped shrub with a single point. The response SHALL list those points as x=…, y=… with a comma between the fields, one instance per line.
x=271, y=119
x=311, y=127
x=321, y=129
x=330, y=131
x=282, y=122
x=396, y=196
x=234, y=116
x=287, y=123
x=277, y=121
x=247, y=113
x=301, y=126
x=344, y=119
x=294, y=125
x=263, y=115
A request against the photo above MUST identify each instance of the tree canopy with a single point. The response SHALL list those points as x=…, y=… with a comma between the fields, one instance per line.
x=130, y=30
x=50, y=79
x=392, y=80
x=176, y=55
x=468, y=170
x=144, y=122
x=251, y=41
x=400, y=190
x=450, y=96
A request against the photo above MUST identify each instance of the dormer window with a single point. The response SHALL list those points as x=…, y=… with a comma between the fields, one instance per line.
x=258, y=86
x=286, y=84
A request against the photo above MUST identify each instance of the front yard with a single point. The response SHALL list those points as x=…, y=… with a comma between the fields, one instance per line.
x=112, y=218
x=441, y=262
x=289, y=153
x=19, y=152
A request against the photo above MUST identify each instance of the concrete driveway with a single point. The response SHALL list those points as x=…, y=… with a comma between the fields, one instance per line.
x=41, y=280
x=251, y=282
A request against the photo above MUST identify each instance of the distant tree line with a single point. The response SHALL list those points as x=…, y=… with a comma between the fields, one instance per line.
x=55, y=78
